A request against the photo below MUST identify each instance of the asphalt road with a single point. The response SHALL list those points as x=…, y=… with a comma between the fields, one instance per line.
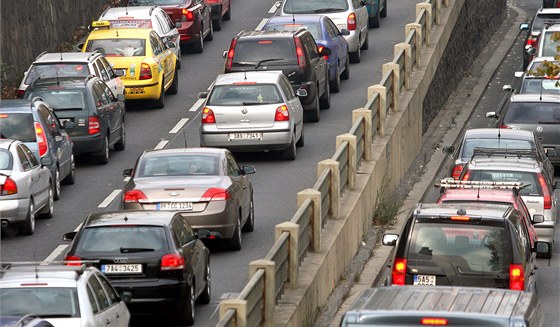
x=276, y=182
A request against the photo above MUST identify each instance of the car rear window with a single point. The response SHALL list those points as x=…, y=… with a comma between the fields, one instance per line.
x=66, y=99
x=118, y=47
x=40, y=301
x=313, y=28
x=496, y=143
x=122, y=239
x=275, y=51
x=539, y=86
x=540, y=20
x=5, y=160
x=131, y=23
x=530, y=180
x=56, y=70
x=533, y=113
x=238, y=95
x=314, y=6
x=549, y=45
x=17, y=126
x=469, y=247
x=155, y=2
x=178, y=165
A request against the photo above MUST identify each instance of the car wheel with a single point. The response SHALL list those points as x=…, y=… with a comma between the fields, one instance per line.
x=384, y=11
x=290, y=152
x=217, y=23
x=375, y=21
x=210, y=35
x=28, y=227
x=178, y=63
x=249, y=225
x=355, y=57
x=365, y=46
x=186, y=312
x=234, y=243
x=301, y=142
x=335, y=85
x=227, y=15
x=47, y=211
x=346, y=73
x=313, y=115
x=70, y=179
x=56, y=194
x=204, y=297
x=174, y=88
x=103, y=156
x=160, y=102
x=325, y=101
x=121, y=143
x=198, y=47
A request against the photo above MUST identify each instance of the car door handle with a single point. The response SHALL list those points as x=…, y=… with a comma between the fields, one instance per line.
x=108, y=322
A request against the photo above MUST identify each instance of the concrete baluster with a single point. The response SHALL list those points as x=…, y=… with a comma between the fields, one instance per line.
x=334, y=189
x=352, y=158
x=407, y=62
x=269, y=288
x=417, y=39
x=429, y=19
x=395, y=69
x=315, y=197
x=240, y=307
x=382, y=108
x=368, y=132
x=293, y=251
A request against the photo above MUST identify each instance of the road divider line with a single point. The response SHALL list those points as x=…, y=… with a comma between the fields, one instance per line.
x=55, y=253
x=109, y=199
x=80, y=225
x=179, y=125
x=261, y=24
x=272, y=9
x=161, y=144
x=196, y=105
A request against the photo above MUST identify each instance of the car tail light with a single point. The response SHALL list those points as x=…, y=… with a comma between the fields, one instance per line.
x=215, y=194
x=467, y=175
x=532, y=41
x=208, y=116
x=557, y=4
x=300, y=54
x=320, y=48
x=516, y=277
x=41, y=139
x=9, y=187
x=145, y=72
x=72, y=260
x=351, y=22
x=172, y=261
x=504, y=126
x=94, y=126
x=282, y=114
x=187, y=15
x=20, y=94
x=399, y=272
x=546, y=192
x=434, y=321
x=456, y=172
x=230, y=54
x=134, y=196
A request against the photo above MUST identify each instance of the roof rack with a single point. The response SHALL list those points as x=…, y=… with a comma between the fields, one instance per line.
x=489, y=152
x=451, y=183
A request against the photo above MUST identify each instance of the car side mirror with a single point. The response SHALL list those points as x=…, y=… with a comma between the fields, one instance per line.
x=120, y=97
x=344, y=32
x=80, y=46
x=202, y=95
x=202, y=233
x=119, y=72
x=492, y=114
x=127, y=172
x=170, y=44
x=390, y=239
x=518, y=74
x=448, y=149
x=324, y=51
x=532, y=51
x=46, y=161
x=69, y=236
x=126, y=297
x=537, y=219
x=247, y=170
x=67, y=124
x=224, y=54
x=301, y=93
x=524, y=26
x=542, y=247
x=507, y=87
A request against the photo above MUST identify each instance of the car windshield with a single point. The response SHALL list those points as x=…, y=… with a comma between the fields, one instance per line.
x=467, y=248
x=532, y=113
x=239, y=95
x=60, y=100
x=313, y=28
x=177, y=165
x=550, y=45
x=17, y=126
x=250, y=52
x=41, y=301
x=5, y=160
x=314, y=6
x=530, y=180
x=121, y=239
x=540, y=86
x=56, y=70
x=494, y=143
x=156, y=2
x=540, y=20
x=118, y=47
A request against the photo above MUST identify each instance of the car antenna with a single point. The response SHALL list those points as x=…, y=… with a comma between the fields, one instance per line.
x=61, y=57
x=293, y=15
x=540, y=96
x=245, y=75
x=35, y=266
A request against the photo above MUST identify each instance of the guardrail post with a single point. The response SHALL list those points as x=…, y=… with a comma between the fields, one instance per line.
x=334, y=167
x=382, y=108
x=417, y=39
x=240, y=307
x=438, y=12
x=269, y=287
x=315, y=221
x=293, y=251
x=429, y=18
x=407, y=48
x=395, y=69
x=352, y=159
x=368, y=133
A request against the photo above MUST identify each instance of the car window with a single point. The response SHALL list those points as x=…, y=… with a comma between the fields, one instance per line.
x=107, y=67
x=17, y=126
x=162, y=24
x=33, y=161
x=177, y=165
x=232, y=166
x=109, y=290
x=92, y=299
x=253, y=51
x=53, y=70
x=6, y=160
x=497, y=143
x=100, y=295
x=313, y=27
x=529, y=179
x=310, y=47
x=549, y=44
x=180, y=232
x=287, y=87
x=107, y=94
x=25, y=164
x=332, y=30
x=59, y=100
x=102, y=71
x=112, y=239
x=169, y=21
x=156, y=45
x=315, y=6
x=51, y=123
x=539, y=86
x=102, y=99
x=532, y=113
x=244, y=94
x=523, y=233
x=41, y=301
x=118, y=47
x=538, y=22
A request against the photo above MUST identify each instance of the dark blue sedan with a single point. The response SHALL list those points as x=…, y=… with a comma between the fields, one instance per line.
x=327, y=35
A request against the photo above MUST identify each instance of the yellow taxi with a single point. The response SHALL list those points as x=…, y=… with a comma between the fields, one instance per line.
x=148, y=66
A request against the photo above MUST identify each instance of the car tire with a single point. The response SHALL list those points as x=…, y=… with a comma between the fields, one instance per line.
x=235, y=242
x=28, y=227
x=365, y=46
x=313, y=115
x=204, y=297
x=56, y=193
x=47, y=211
x=301, y=142
x=227, y=15
x=384, y=11
x=178, y=63
x=160, y=102
x=217, y=23
x=70, y=179
x=210, y=35
x=375, y=20
x=355, y=57
x=103, y=156
x=325, y=100
x=346, y=73
x=186, y=312
x=249, y=225
x=174, y=88
x=121, y=143
x=198, y=47
x=335, y=85
x=291, y=152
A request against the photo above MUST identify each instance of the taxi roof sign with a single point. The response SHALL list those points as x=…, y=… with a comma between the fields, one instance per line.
x=101, y=23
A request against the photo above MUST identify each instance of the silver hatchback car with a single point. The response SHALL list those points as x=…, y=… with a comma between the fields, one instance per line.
x=253, y=111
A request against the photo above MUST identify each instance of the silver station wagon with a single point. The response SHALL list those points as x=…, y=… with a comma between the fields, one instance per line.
x=253, y=111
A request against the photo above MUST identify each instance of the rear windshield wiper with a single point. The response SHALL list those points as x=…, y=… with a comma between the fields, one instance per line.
x=256, y=64
x=129, y=250
x=327, y=10
x=249, y=103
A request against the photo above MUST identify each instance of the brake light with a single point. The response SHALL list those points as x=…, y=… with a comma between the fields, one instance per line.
x=467, y=175
x=456, y=172
x=516, y=277
x=145, y=72
x=282, y=114
x=399, y=271
x=9, y=187
x=172, y=261
x=546, y=192
x=208, y=116
x=504, y=126
x=20, y=94
x=134, y=196
x=41, y=139
x=187, y=15
x=434, y=321
x=320, y=48
x=215, y=194
x=461, y=218
x=94, y=126
x=265, y=42
x=230, y=54
x=532, y=41
x=300, y=54
x=351, y=22
x=72, y=260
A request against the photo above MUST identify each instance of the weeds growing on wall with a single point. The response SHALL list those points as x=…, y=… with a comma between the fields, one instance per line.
x=387, y=204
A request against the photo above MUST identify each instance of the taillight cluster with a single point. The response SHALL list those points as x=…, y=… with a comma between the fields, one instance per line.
x=320, y=48
x=94, y=126
x=215, y=194
x=172, y=261
x=145, y=72
x=532, y=41
x=41, y=139
x=398, y=275
x=134, y=196
x=208, y=116
x=282, y=114
x=187, y=15
x=546, y=192
x=9, y=187
x=351, y=22
x=300, y=54
x=230, y=54
x=516, y=277
x=456, y=172
x=72, y=260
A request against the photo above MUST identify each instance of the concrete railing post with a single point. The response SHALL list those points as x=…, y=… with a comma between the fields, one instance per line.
x=438, y=12
x=395, y=69
x=334, y=167
x=382, y=108
x=316, y=225
x=407, y=49
x=352, y=157
x=269, y=287
x=368, y=132
x=293, y=251
x=429, y=18
x=240, y=307
x=417, y=39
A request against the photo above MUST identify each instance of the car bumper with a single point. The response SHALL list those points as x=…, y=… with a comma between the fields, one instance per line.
x=273, y=141
x=87, y=143
x=545, y=231
x=14, y=211
x=152, y=295
x=187, y=33
x=135, y=90
x=353, y=40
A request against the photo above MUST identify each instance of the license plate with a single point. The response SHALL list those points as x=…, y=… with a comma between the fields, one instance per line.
x=245, y=136
x=425, y=280
x=62, y=120
x=122, y=269
x=174, y=206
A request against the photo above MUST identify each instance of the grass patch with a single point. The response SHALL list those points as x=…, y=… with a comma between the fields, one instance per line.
x=387, y=205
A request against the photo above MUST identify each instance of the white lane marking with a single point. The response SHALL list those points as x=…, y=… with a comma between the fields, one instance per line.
x=272, y=9
x=261, y=24
x=55, y=253
x=161, y=145
x=109, y=199
x=179, y=125
x=196, y=105
x=126, y=179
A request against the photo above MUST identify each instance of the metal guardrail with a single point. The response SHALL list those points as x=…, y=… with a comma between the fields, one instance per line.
x=294, y=239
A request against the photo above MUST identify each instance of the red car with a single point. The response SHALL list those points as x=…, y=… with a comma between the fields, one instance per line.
x=221, y=10
x=191, y=17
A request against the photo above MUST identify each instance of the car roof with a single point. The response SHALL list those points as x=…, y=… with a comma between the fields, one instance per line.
x=135, y=12
x=474, y=194
x=535, y=98
x=523, y=164
x=505, y=133
x=267, y=34
x=206, y=151
x=486, y=210
x=548, y=11
x=55, y=275
x=144, y=217
x=5, y=143
x=271, y=76
x=297, y=19
x=16, y=105
x=124, y=33
x=65, y=56
x=61, y=81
